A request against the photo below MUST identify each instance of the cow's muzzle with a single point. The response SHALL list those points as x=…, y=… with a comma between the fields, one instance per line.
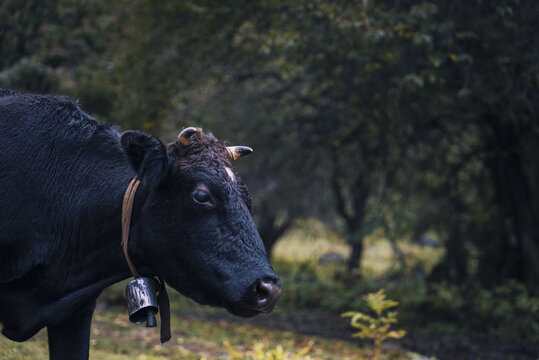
x=260, y=297
x=266, y=291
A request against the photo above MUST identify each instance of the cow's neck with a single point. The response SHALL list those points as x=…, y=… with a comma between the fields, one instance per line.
x=102, y=246
x=76, y=270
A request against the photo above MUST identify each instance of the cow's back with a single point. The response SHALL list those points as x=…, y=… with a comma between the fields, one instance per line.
x=55, y=162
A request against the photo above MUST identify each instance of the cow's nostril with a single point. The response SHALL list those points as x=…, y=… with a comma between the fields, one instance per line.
x=263, y=290
x=268, y=292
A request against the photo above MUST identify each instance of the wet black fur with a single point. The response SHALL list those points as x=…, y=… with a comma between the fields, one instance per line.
x=63, y=175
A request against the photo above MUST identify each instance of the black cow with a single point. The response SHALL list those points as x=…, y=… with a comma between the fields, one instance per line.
x=63, y=176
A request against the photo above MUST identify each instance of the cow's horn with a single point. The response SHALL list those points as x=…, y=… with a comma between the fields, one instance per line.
x=238, y=151
x=185, y=135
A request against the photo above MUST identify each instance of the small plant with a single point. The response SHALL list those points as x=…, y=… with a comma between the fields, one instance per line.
x=260, y=351
x=376, y=328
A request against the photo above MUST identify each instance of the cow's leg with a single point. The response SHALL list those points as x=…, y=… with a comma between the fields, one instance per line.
x=70, y=339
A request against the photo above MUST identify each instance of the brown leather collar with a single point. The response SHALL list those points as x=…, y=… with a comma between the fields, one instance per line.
x=162, y=297
x=127, y=209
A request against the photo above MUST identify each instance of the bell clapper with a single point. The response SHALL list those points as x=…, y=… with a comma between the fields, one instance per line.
x=142, y=300
x=151, y=321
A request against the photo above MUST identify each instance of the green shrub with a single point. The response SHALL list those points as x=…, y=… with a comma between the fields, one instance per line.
x=510, y=309
x=376, y=328
x=29, y=75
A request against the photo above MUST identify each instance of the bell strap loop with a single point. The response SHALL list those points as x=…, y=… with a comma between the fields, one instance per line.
x=127, y=209
x=162, y=297
x=164, y=305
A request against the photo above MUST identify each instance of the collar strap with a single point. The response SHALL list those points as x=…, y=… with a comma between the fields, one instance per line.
x=162, y=297
x=127, y=209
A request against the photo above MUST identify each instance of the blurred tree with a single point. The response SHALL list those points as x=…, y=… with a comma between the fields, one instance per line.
x=199, y=68
x=385, y=98
x=281, y=174
x=498, y=70
x=407, y=116
x=45, y=44
x=485, y=56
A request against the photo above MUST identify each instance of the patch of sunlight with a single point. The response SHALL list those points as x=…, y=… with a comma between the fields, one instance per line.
x=309, y=240
x=377, y=257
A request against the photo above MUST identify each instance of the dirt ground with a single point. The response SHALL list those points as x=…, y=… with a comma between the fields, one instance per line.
x=443, y=347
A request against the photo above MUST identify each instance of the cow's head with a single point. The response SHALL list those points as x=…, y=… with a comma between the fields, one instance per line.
x=194, y=227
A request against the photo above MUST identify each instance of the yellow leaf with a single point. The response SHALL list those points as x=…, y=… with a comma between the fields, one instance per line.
x=396, y=334
x=306, y=349
x=233, y=352
x=259, y=349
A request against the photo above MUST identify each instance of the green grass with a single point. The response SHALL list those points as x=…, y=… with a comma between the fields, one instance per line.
x=197, y=333
x=200, y=332
x=33, y=349
x=113, y=337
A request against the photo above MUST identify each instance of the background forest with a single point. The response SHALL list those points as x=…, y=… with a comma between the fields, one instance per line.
x=396, y=142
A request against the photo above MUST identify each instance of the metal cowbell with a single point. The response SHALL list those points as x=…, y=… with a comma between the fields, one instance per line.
x=142, y=300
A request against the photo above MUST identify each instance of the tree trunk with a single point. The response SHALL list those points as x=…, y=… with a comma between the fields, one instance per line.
x=515, y=171
x=454, y=265
x=356, y=242
x=530, y=173
x=456, y=257
x=270, y=229
x=350, y=203
x=270, y=233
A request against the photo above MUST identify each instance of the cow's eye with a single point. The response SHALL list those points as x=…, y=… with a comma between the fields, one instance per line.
x=201, y=196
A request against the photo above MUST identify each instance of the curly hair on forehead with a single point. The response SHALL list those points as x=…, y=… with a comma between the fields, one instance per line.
x=203, y=147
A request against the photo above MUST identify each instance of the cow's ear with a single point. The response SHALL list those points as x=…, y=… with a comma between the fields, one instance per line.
x=146, y=155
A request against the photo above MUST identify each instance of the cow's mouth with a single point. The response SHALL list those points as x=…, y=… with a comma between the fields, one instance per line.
x=260, y=297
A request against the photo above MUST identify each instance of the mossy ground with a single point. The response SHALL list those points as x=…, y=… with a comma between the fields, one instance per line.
x=194, y=337
x=200, y=332
x=197, y=333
